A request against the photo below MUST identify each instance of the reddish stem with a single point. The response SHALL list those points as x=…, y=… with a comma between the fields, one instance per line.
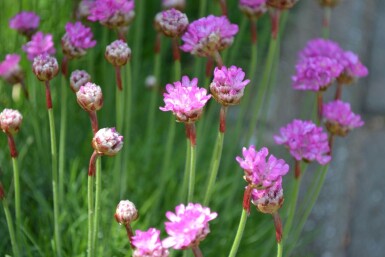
x=121, y=34
x=64, y=66
x=338, y=94
x=223, y=7
x=319, y=105
x=157, y=43
x=48, y=95
x=222, y=119
x=94, y=121
x=197, y=251
x=297, y=171
x=130, y=235
x=253, y=31
x=175, y=49
x=118, y=78
x=24, y=88
x=218, y=59
x=191, y=133
x=12, y=145
x=278, y=226
x=209, y=67
x=275, y=15
x=92, y=166
x=331, y=142
x=2, y=193
x=247, y=198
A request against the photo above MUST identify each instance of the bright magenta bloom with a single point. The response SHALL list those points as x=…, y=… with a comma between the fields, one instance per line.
x=77, y=39
x=253, y=8
x=188, y=225
x=39, y=44
x=148, y=244
x=353, y=66
x=10, y=69
x=113, y=13
x=185, y=99
x=258, y=171
x=172, y=22
x=339, y=117
x=25, y=23
x=305, y=141
x=228, y=85
x=316, y=73
x=208, y=35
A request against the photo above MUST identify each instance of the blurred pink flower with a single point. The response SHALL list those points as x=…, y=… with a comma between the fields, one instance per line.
x=253, y=8
x=77, y=39
x=188, y=225
x=172, y=23
x=148, y=244
x=268, y=200
x=208, y=35
x=79, y=78
x=185, y=99
x=39, y=44
x=353, y=66
x=10, y=69
x=25, y=23
x=113, y=13
x=305, y=141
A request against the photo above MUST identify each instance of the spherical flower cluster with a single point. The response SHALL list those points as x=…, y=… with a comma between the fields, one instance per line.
x=25, y=23
x=187, y=226
x=45, y=67
x=118, y=53
x=339, y=118
x=353, y=68
x=253, y=8
x=185, y=99
x=316, y=73
x=39, y=44
x=76, y=40
x=258, y=171
x=177, y=4
x=281, y=4
x=107, y=142
x=305, y=141
x=148, y=244
x=90, y=97
x=126, y=212
x=328, y=3
x=10, y=69
x=171, y=22
x=208, y=35
x=113, y=13
x=268, y=200
x=10, y=121
x=228, y=85
x=79, y=78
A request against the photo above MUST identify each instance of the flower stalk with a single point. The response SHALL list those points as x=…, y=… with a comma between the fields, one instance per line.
x=238, y=236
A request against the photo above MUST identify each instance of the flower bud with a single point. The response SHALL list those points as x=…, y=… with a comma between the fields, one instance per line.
x=268, y=200
x=90, y=97
x=107, y=142
x=10, y=121
x=172, y=22
x=126, y=212
x=118, y=53
x=281, y=4
x=79, y=78
x=45, y=67
x=328, y=3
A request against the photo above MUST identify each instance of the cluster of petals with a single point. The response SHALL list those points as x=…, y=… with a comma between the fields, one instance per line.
x=185, y=99
x=148, y=244
x=177, y=4
x=25, y=23
x=117, y=53
x=208, y=35
x=45, y=67
x=316, y=73
x=228, y=85
x=305, y=141
x=79, y=78
x=253, y=8
x=39, y=44
x=90, y=97
x=77, y=39
x=113, y=13
x=339, y=117
x=268, y=200
x=10, y=121
x=171, y=22
x=261, y=172
x=107, y=141
x=187, y=226
x=10, y=69
x=126, y=212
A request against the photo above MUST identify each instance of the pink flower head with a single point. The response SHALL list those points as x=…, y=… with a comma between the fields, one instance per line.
x=77, y=39
x=305, y=141
x=316, y=73
x=172, y=22
x=113, y=13
x=25, y=23
x=268, y=200
x=10, y=69
x=90, y=97
x=228, y=85
x=339, y=118
x=126, y=212
x=107, y=142
x=188, y=225
x=10, y=121
x=148, y=244
x=208, y=35
x=39, y=44
x=79, y=78
x=253, y=8
x=185, y=99
x=353, y=66
x=258, y=171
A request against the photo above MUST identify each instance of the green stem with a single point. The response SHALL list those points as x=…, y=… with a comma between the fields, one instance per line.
x=326, y=22
x=234, y=50
x=137, y=47
x=90, y=197
x=119, y=95
x=202, y=7
x=63, y=134
x=98, y=185
x=279, y=249
x=128, y=105
x=54, y=182
x=11, y=230
x=16, y=178
x=191, y=161
x=186, y=172
x=238, y=237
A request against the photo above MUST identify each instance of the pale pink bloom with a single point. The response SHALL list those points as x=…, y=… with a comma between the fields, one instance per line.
x=39, y=44
x=117, y=53
x=107, y=142
x=10, y=121
x=148, y=244
x=77, y=39
x=177, y=4
x=185, y=99
x=126, y=212
x=25, y=23
x=253, y=8
x=172, y=22
x=45, y=67
x=261, y=172
x=113, y=13
x=90, y=97
x=79, y=78
x=208, y=35
x=268, y=200
x=188, y=225
x=305, y=141
x=10, y=69
x=228, y=85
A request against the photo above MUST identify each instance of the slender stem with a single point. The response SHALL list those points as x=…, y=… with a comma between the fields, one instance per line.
x=254, y=50
x=48, y=98
x=202, y=7
x=234, y=50
x=186, y=171
x=11, y=229
x=118, y=76
x=338, y=93
x=138, y=38
x=279, y=249
x=319, y=106
x=128, y=103
x=278, y=227
x=130, y=234
x=119, y=109
x=197, y=251
x=63, y=135
x=326, y=22
x=238, y=237
x=90, y=197
x=331, y=141
x=192, y=136
x=97, y=204
x=94, y=121
x=169, y=144
x=218, y=59
x=223, y=7
x=16, y=179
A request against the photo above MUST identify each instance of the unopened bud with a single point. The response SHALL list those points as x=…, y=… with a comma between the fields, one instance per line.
x=90, y=97
x=45, y=67
x=107, y=142
x=126, y=212
x=268, y=200
x=118, y=53
x=10, y=121
x=172, y=22
x=79, y=78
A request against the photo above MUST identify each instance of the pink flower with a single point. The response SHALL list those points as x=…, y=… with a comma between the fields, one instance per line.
x=305, y=141
x=208, y=35
x=126, y=212
x=77, y=39
x=268, y=200
x=258, y=171
x=10, y=69
x=188, y=225
x=79, y=78
x=172, y=22
x=185, y=99
x=113, y=13
x=339, y=117
x=353, y=66
x=25, y=23
x=316, y=73
x=39, y=44
x=228, y=85
x=10, y=121
x=107, y=142
x=253, y=8
x=148, y=244
x=90, y=97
